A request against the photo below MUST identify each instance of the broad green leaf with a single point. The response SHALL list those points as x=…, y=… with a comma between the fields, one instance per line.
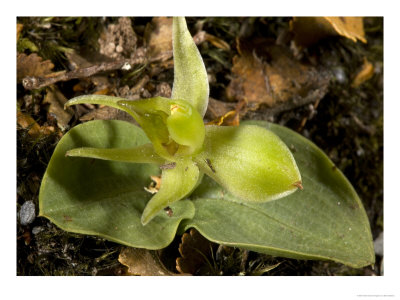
x=106, y=198
x=176, y=183
x=250, y=162
x=190, y=75
x=326, y=220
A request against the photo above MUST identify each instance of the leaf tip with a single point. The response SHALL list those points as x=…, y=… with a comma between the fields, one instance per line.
x=145, y=219
x=68, y=104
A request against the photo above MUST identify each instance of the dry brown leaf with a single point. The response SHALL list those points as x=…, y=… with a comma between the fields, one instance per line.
x=104, y=91
x=231, y=118
x=19, y=29
x=32, y=65
x=265, y=73
x=56, y=109
x=158, y=36
x=350, y=27
x=309, y=30
x=217, y=42
x=366, y=72
x=143, y=262
x=227, y=119
x=195, y=252
x=218, y=108
x=35, y=130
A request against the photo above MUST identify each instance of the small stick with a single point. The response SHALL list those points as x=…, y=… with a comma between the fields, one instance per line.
x=31, y=83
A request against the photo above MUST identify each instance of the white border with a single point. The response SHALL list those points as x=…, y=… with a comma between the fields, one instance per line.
x=205, y=287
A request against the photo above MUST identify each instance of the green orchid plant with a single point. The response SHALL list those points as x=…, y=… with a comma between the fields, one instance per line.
x=217, y=179
x=250, y=162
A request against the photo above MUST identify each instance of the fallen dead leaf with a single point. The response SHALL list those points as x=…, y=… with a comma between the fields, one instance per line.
x=217, y=108
x=350, y=27
x=225, y=119
x=366, y=72
x=56, y=109
x=158, y=42
x=158, y=37
x=265, y=73
x=35, y=130
x=19, y=29
x=32, y=65
x=231, y=118
x=143, y=262
x=195, y=252
x=309, y=30
x=217, y=42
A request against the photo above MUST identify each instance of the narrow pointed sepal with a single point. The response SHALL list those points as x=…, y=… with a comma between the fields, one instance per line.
x=97, y=99
x=140, y=154
x=190, y=75
x=251, y=162
x=176, y=183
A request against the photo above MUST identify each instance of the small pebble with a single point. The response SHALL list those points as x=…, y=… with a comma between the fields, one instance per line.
x=27, y=213
x=339, y=74
x=119, y=49
x=37, y=229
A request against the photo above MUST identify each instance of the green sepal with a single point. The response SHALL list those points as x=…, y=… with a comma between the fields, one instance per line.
x=97, y=99
x=140, y=154
x=176, y=183
x=150, y=113
x=190, y=75
x=250, y=162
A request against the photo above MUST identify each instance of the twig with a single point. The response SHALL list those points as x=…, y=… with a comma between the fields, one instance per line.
x=31, y=83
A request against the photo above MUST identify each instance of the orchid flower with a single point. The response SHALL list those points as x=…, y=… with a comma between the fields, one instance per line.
x=249, y=161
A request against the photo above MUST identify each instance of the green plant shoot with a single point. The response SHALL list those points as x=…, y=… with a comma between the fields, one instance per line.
x=250, y=162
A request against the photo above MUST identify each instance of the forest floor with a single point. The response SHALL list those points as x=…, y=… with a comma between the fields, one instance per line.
x=329, y=90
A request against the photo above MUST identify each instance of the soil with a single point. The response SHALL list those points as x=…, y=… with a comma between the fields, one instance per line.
x=342, y=118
